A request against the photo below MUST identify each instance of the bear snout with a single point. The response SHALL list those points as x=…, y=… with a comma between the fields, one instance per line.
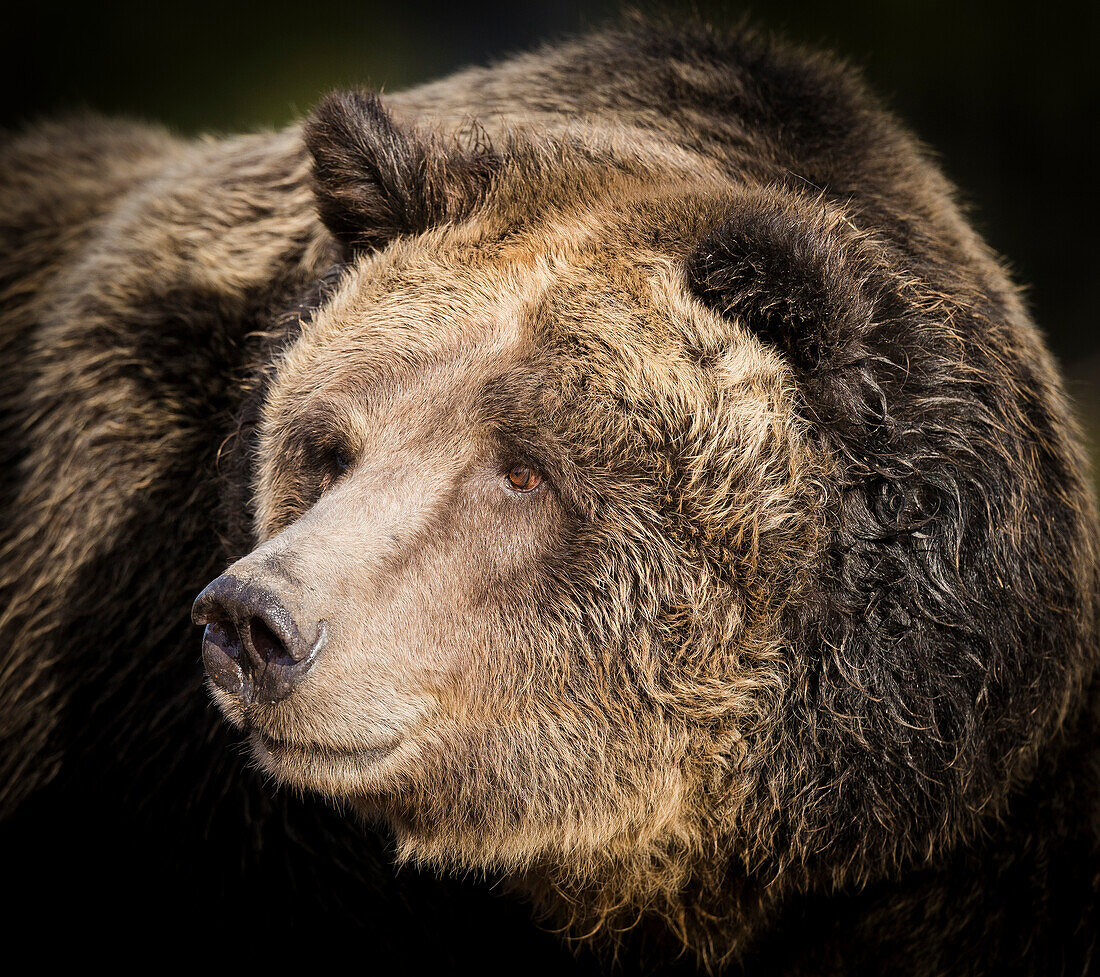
x=253, y=647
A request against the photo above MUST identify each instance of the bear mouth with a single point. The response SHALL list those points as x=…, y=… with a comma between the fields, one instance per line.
x=287, y=751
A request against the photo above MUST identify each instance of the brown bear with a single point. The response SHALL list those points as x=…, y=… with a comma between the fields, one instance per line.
x=660, y=497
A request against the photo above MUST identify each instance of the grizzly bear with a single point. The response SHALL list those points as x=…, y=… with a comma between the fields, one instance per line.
x=639, y=485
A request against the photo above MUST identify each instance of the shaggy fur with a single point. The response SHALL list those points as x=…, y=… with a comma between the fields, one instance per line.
x=790, y=663
x=145, y=282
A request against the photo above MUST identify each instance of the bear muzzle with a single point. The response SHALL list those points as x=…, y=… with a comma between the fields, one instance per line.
x=253, y=648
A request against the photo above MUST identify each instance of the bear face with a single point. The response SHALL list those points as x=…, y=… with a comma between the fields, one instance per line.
x=489, y=466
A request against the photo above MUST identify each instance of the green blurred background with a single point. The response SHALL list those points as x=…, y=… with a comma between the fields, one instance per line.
x=1006, y=93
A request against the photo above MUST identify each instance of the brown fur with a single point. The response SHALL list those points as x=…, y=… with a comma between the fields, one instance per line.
x=798, y=636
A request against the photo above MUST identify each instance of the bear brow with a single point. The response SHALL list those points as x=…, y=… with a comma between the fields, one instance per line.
x=316, y=423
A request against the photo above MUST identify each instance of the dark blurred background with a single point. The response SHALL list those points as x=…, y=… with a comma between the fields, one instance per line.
x=1006, y=93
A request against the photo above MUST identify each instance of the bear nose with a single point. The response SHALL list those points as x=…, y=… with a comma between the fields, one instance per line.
x=252, y=646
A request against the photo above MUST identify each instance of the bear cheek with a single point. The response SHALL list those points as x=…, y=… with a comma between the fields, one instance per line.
x=438, y=637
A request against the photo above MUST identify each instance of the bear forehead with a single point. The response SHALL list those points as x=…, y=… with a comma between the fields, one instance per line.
x=578, y=299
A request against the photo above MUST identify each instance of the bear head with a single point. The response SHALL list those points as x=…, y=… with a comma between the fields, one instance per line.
x=660, y=540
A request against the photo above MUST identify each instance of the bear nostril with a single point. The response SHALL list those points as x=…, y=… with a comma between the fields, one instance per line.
x=266, y=644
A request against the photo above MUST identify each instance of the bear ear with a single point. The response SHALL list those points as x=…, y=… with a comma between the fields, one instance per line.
x=797, y=275
x=374, y=180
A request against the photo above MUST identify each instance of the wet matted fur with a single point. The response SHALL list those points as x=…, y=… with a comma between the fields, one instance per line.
x=789, y=663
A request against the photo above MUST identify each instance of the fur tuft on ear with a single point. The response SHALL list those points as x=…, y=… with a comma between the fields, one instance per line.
x=375, y=181
x=792, y=271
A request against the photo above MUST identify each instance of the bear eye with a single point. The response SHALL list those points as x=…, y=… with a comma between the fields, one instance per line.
x=523, y=478
x=341, y=460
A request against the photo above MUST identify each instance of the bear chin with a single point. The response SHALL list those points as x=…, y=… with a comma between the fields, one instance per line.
x=334, y=773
